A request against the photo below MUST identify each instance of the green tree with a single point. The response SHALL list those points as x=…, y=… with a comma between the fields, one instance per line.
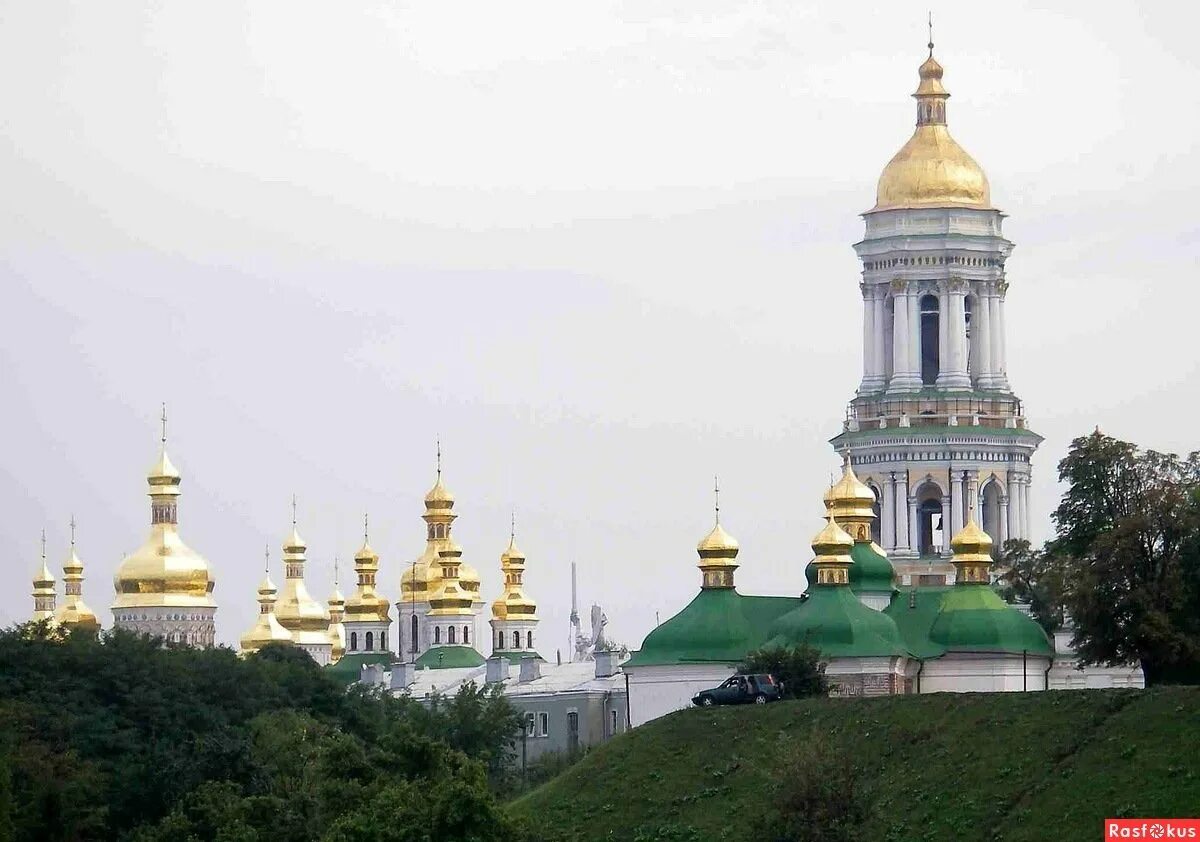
x=799, y=668
x=1034, y=577
x=1128, y=536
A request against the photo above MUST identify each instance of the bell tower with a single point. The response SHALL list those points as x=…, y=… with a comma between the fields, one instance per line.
x=934, y=428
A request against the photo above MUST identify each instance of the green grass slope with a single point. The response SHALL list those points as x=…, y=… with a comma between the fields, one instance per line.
x=1011, y=766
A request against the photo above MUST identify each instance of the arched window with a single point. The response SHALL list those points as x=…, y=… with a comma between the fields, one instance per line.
x=452, y=633
x=930, y=348
x=877, y=522
x=990, y=514
x=413, y=633
x=383, y=640
x=466, y=634
x=437, y=634
x=353, y=641
x=370, y=641
x=529, y=639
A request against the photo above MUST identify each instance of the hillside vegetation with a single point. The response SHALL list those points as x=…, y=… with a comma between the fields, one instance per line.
x=938, y=767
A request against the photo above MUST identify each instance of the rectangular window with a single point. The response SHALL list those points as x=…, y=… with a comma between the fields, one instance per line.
x=614, y=723
x=530, y=727
x=543, y=724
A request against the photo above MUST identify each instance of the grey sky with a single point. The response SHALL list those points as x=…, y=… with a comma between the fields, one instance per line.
x=602, y=249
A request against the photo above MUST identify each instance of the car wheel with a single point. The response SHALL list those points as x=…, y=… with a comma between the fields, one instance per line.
x=707, y=701
x=760, y=699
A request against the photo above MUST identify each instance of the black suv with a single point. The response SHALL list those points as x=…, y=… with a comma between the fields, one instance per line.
x=741, y=690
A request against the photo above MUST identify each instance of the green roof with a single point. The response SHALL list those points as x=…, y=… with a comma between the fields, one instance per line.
x=515, y=655
x=349, y=668
x=449, y=657
x=719, y=625
x=836, y=623
x=975, y=619
x=964, y=618
x=871, y=570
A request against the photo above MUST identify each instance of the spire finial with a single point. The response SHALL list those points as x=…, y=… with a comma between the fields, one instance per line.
x=267, y=559
x=164, y=424
x=293, y=511
x=335, y=573
x=43, y=544
x=366, y=527
x=72, y=533
x=931, y=34
x=716, y=501
x=439, y=457
x=512, y=526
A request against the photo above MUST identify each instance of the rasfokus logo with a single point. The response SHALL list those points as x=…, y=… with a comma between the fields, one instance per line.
x=1152, y=828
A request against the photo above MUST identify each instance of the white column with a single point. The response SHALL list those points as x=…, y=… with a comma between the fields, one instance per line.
x=901, y=367
x=957, y=329
x=914, y=531
x=901, y=510
x=887, y=529
x=914, y=337
x=947, y=524
x=1000, y=347
x=956, y=503
x=1025, y=507
x=877, y=347
x=1014, y=507
x=972, y=506
x=983, y=338
x=1003, y=518
x=868, y=340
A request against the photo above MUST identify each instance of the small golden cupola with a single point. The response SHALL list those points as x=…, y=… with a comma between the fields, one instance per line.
x=932, y=170
x=831, y=548
x=366, y=619
x=337, y=611
x=266, y=628
x=75, y=613
x=972, y=548
x=44, y=593
x=303, y=617
x=717, y=550
x=852, y=503
x=514, y=603
x=164, y=588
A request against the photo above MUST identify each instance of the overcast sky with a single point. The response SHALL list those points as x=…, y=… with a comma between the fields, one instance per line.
x=603, y=250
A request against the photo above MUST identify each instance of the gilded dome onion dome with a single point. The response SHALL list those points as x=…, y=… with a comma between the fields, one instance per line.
x=931, y=169
x=514, y=603
x=337, y=631
x=365, y=605
x=266, y=628
x=852, y=503
x=44, y=593
x=74, y=612
x=450, y=599
x=164, y=571
x=420, y=579
x=718, y=551
x=295, y=608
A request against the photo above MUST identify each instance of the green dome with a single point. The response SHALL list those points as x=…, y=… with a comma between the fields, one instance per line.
x=973, y=618
x=449, y=657
x=835, y=622
x=871, y=570
x=718, y=625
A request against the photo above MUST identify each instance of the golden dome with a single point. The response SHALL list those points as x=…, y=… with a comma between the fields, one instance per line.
x=266, y=628
x=450, y=598
x=718, y=544
x=44, y=593
x=439, y=497
x=74, y=612
x=164, y=571
x=337, y=631
x=717, y=550
x=364, y=604
x=932, y=170
x=832, y=546
x=852, y=503
x=514, y=603
x=420, y=580
x=972, y=548
x=295, y=608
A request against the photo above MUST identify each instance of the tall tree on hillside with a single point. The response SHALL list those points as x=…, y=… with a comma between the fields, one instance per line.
x=1034, y=577
x=1129, y=536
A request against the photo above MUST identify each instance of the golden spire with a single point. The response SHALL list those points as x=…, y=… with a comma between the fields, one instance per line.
x=514, y=603
x=74, y=612
x=266, y=628
x=852, y=502
x=932, y=170
x=164, y=571
x=717, y=550
x=337, y=610
x=364, y=605
x=295, y=609
x=44, y=594
x=972, y=548
x=420, y=580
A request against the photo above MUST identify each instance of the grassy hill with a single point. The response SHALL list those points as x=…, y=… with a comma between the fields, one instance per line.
x=1012, y=766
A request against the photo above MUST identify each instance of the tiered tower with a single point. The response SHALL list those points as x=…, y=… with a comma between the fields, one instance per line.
x=337, y=612
x=266, y=628
x=75, y=613
x=935, y=424
x=165, y=588
x=44, y=594
x=718, y=551
x=514, y=614
x=451, y=614
x=421, y=580
x=296, y=610
x=366, y=619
